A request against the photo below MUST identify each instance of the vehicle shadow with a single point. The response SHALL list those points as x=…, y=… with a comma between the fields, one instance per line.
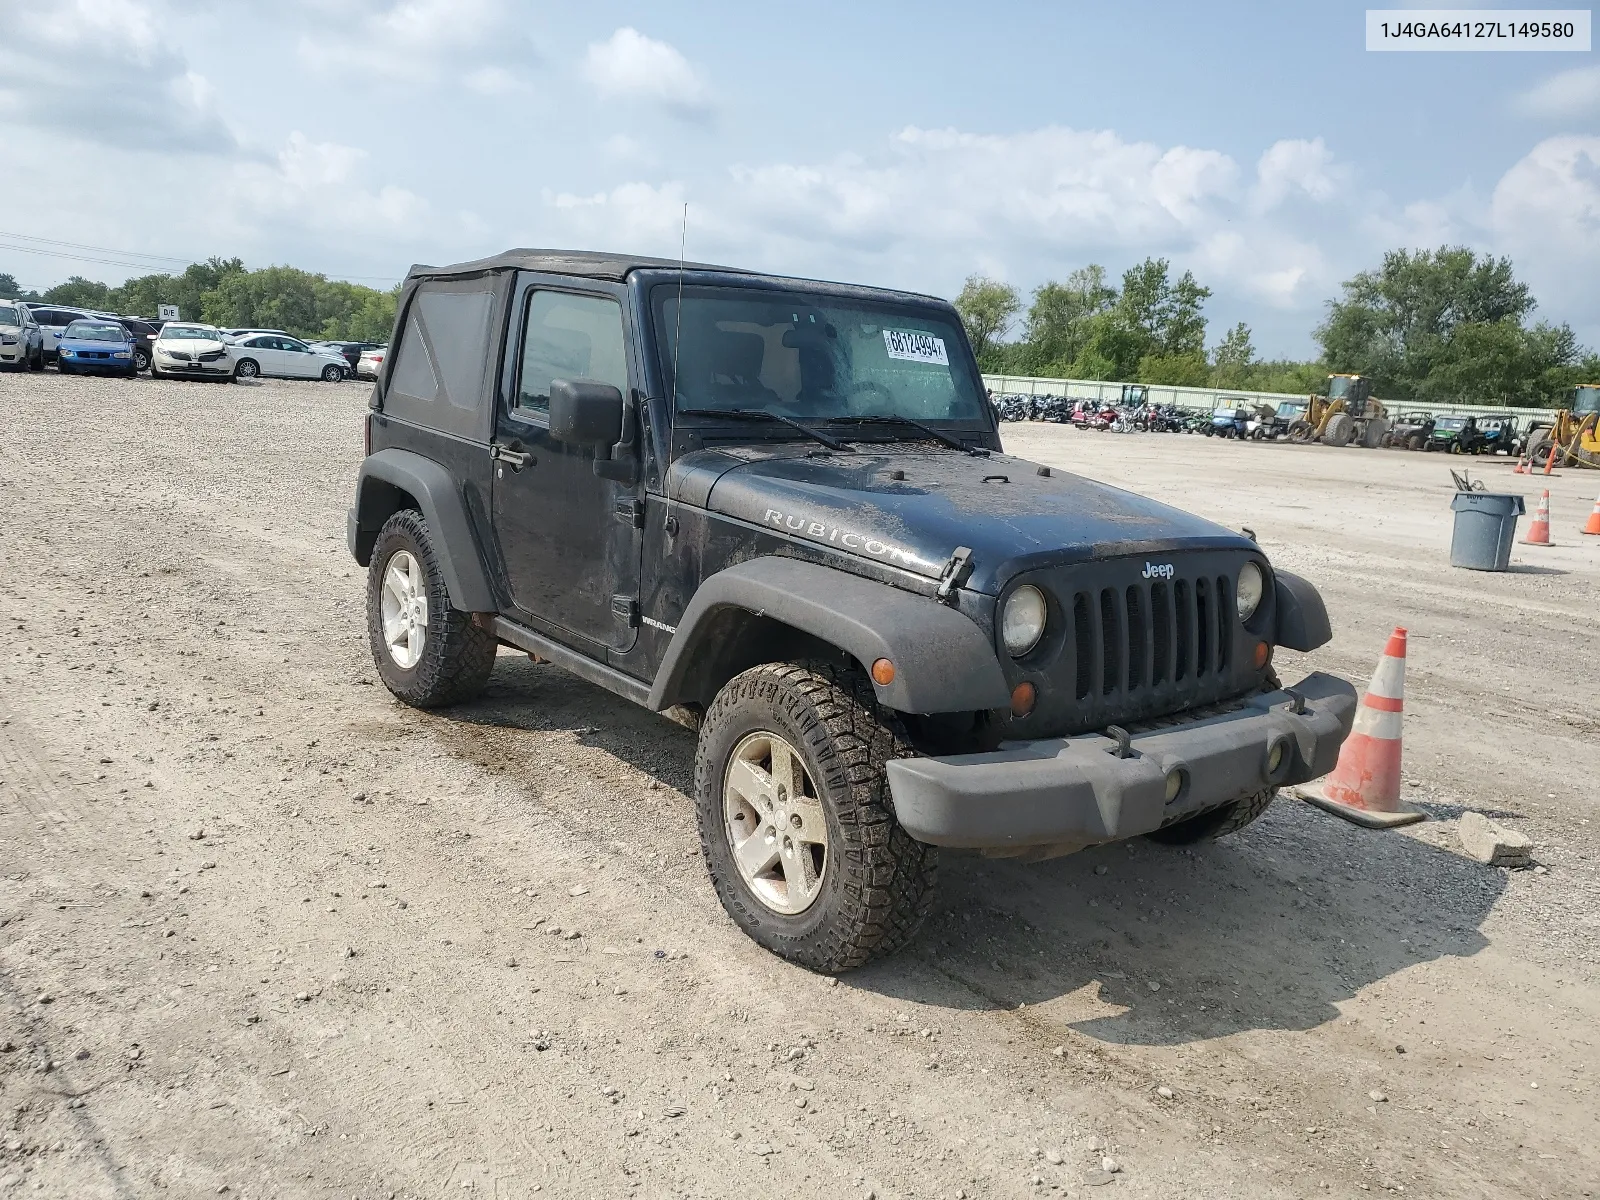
x=1530, y=569
x=1270, y=929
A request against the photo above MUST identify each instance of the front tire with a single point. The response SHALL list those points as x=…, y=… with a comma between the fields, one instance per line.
x=796, y=823
x=332, y=374
x=427, y=653
x=1218, y=822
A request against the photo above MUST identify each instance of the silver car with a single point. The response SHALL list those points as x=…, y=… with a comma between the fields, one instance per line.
x=21, y=339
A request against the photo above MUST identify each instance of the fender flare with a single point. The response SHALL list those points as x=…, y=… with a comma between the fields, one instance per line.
x=1302, y=616
x=943, y=660
x=384, y=477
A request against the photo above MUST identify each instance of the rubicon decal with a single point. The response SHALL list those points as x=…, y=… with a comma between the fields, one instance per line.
x=833, y=535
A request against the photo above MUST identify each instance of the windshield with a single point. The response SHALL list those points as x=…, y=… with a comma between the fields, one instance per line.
x=1588, y=399
x=1450, y=423
x=814, y=358
x=95, y=331
x=10, y=319
x=1339, y=386
x=190, y=333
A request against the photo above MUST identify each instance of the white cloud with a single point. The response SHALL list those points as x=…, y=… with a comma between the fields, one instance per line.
x=630, y=65
x=478, y=44
x=1545, y=213
x=1572, y=93
x=102, y=71
x=1296, y=166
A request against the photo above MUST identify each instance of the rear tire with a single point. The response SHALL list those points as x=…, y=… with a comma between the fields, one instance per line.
x=446, y=658
x=246, y=369
x=875, y=883
x=1218, y=822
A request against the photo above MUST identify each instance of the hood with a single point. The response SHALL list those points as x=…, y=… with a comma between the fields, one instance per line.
x=1009, y=514
x=94, y=344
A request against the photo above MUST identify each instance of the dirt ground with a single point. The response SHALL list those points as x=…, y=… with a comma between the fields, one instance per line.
x=266, y=933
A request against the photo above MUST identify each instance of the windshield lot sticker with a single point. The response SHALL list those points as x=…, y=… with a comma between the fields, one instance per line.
x=821, y=532
x=910, y=346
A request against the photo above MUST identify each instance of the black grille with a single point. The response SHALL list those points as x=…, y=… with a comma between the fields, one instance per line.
x=1148, y=647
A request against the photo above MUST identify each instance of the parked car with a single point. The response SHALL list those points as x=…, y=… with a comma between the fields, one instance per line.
x=286, y=357
x=890, y=637
x=144, y=337
x=350, y=351
x=188, y=350
x=21, y=340
x=95, y=346
x=370, y=363
x=236, y=334
x=53, y=320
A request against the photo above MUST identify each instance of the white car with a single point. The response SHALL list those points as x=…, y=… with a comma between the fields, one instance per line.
x=21, y=340
x=287, y=357
x=185, y=349
x=370, y=363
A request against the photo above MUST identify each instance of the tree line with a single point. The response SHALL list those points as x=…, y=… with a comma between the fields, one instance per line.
x=220, y=291
x=1428, y=326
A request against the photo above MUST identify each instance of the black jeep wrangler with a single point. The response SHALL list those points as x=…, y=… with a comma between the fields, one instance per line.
x=780, y=510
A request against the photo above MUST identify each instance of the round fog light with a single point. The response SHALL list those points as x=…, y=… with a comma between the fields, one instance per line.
x=1176, y=778
x=1274, y=758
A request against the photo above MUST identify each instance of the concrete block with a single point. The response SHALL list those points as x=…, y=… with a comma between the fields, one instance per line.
x=1494, y=844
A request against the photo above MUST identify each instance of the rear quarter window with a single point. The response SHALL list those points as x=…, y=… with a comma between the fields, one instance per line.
x=443, y=359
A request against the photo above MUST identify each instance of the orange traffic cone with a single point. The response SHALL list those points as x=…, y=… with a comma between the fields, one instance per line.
x=1550, y=459
x=1592, y=527
x=1517, y=470
x=1539, y=531
x=1365, y=785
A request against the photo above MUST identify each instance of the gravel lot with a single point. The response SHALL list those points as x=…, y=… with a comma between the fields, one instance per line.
x=268, y=933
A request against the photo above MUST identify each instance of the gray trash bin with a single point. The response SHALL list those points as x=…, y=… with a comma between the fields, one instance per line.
x=1486, y=522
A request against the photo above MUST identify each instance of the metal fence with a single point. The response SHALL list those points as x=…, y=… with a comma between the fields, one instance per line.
x=1206, y=399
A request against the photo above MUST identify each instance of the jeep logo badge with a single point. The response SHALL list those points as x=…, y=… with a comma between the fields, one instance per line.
x=1158, y=570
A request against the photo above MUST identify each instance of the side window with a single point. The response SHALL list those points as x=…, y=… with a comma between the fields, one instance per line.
x=570, y=337
x=445, y=348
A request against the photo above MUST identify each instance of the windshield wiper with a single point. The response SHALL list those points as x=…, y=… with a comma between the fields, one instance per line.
x=751, y=414
x=938, y=435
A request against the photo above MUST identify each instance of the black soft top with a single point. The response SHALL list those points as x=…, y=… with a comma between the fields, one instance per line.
x=599, y=264
x=592, y=264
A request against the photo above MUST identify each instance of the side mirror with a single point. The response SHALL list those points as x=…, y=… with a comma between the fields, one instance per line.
x=585, y=413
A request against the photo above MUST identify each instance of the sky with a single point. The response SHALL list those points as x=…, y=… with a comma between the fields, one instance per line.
x=905, y=145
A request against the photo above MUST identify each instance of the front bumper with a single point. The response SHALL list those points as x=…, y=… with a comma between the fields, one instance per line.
x=1060, y=791
x=171, y=367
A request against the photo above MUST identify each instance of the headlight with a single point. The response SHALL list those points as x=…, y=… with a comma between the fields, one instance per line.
x=1251, y=585
x=1022, y=622
x=66, y=353
x=121, y=354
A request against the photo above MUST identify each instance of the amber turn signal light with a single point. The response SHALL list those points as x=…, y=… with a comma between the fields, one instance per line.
x=883, y=672
x=1263, y=652
x=1022, y=698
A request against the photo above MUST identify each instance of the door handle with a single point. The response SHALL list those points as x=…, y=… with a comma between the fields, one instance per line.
x=516, y=459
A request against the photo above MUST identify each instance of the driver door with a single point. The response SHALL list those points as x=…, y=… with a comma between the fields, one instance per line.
x=570, y=539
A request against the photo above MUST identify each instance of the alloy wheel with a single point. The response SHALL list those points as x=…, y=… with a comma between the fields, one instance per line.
x=774, y=823
x=405, y=609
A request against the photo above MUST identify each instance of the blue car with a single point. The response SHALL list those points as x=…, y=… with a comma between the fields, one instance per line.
x=93, y=346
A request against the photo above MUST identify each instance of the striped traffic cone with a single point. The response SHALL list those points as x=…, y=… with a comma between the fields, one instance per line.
x=1539, y=531
x=1592, y=527
x=1365, y=785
